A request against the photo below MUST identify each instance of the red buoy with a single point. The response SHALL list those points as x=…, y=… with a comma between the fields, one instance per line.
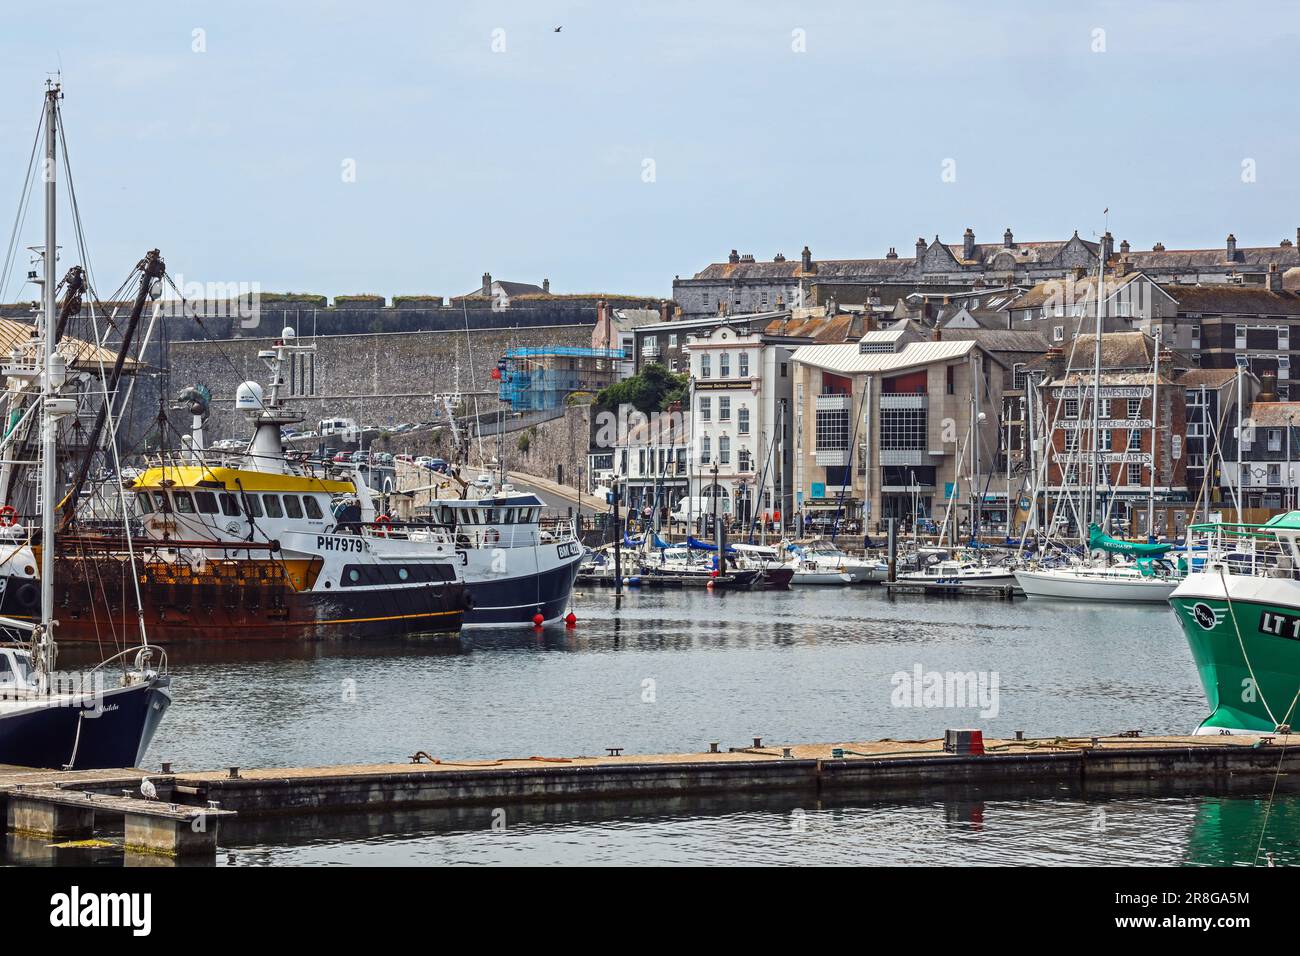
x=538, y=620
x=571, y=620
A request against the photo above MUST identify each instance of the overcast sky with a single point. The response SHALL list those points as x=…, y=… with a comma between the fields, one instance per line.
x=644, y=140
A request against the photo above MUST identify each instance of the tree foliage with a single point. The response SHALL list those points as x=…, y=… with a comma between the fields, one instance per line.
x=652, y=389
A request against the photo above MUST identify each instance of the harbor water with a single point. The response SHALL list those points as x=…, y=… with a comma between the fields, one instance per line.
x=673, y=671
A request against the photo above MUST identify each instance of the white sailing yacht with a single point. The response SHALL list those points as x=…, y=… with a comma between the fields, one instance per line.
x=104, y=717
x=1146, y=577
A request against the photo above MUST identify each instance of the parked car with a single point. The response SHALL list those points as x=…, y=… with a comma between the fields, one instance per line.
x=438, y=465
x=423, y=461
x=404, y=458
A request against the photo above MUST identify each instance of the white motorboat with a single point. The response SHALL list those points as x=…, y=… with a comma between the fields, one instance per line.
x=961, y=574
x=859, y=570
x=809, y=571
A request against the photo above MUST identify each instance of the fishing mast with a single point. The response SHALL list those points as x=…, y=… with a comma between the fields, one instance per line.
x=52, y=378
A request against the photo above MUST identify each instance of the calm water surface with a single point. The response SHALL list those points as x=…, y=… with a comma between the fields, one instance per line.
x=672, y=671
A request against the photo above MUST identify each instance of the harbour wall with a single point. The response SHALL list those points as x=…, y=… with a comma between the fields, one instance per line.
x=383, y=378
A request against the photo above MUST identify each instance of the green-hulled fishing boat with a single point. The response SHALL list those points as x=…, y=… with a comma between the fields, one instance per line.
x=1240, y=609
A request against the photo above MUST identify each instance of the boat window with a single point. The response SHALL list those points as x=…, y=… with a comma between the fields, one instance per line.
x=313, y=508
x=448, y=514
x=354, y=575
x=206, y=501
x=489, y=515
x=6, y=672
x=146, y=504
x=403, y=574
x=184, y=503
x=292, y=506
x=273, y=509
x=509, y=517
x=229, y=504
x=253, y=506
x=160, y=502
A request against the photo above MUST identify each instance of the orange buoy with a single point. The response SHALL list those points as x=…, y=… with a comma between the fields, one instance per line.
x=538, y=620
x=571, y=620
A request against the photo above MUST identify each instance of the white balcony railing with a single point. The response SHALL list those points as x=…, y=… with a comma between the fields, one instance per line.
x=834, y=403
x=832, y=457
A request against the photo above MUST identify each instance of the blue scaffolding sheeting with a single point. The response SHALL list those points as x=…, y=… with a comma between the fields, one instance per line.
x=541, y=378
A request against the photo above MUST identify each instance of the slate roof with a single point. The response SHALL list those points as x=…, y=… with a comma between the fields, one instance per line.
x=1229, y=298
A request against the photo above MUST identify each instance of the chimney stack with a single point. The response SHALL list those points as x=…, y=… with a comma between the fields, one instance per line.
x=546, y=287
x=1124, y=248
x=893, y=253
x=920, y=249
x=1055, y=363
x=1232, y=248
x=968, y=244
x=1267, y=387
x=734, y=257
x=1107, y=247
x=936, y=334
x=1274, y=278
x=805, y=260
x=487, y=283
x=1007, y=240
x=665, y=311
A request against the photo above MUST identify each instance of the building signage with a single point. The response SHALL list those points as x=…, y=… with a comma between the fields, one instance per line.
x=1114, y=391
x=1072, y=423
x=1109, y=458
x=712, y=386
x=819, y=489
x=951, y=489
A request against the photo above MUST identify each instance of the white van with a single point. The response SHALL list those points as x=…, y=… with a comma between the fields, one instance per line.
x=694, y=507
x=345, y=429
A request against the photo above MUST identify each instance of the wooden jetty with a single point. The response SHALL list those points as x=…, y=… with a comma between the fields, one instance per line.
x=60, y=805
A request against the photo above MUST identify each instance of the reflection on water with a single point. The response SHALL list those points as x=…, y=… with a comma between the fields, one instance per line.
x=672, y=671
x=1118, y=825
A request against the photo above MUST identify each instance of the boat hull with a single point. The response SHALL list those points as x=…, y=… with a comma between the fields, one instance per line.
x=65, y=735
x=961, y=580
x=506, y=600
x=1248, y=654
x=1065, y=587
x=95, y=602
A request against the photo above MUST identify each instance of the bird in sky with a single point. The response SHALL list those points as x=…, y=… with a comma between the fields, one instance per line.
x=558, y=29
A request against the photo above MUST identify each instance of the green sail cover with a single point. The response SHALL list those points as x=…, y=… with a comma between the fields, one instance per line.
x=1100, y=542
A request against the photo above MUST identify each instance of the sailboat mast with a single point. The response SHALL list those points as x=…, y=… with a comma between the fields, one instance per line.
x=1096, y=395
x=49, y=423
x=1155, y=406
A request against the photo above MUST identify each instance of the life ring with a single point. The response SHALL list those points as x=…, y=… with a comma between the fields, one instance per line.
x=491, y=536
x=382, y=523
x=8, y=516
x=28, y=595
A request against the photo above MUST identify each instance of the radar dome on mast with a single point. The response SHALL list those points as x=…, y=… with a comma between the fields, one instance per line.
x=248, y=397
